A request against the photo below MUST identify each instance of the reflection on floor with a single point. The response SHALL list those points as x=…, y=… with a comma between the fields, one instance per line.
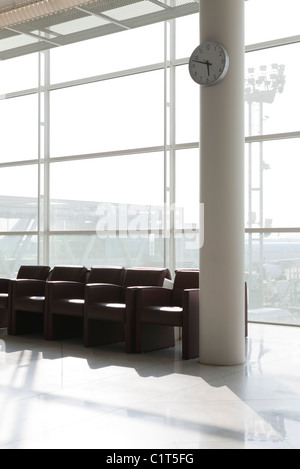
x=61, y=395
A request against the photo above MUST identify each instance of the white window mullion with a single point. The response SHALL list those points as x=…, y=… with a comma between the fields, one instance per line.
x=40, y=156
x=170, y=141
x=46, y=149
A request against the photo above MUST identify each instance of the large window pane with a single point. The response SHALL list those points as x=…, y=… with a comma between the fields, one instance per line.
x=187, y=188
x=108, y=115
x=127, y=250
x=19, y=73
x=272, y=273
x=271, y=19
x=187, y=250
x=18, y=198
x=272, y=90
x=187, y=107
x=187, y=35
x=116, y=193
x=187, y=213
x=19, y=128
x=16, y=250
x=107, y=54
x=273, y=190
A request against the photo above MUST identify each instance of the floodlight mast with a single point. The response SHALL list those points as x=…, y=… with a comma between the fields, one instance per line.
x=261, y=86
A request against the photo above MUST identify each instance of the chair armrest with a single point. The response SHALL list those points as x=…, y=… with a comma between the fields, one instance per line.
x=191, y=300
x=190, y=324
x=102, y=292
x=4, y=285
x=62, y=289
x=153, y=296
x=28, y=287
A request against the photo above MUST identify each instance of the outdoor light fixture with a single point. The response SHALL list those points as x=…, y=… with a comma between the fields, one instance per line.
x=263, y=84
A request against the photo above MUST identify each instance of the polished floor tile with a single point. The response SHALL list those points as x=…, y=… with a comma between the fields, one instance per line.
x=62, y=395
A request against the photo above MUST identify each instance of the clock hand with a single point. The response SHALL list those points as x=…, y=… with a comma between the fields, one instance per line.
x=204, y=62
x=208, y=64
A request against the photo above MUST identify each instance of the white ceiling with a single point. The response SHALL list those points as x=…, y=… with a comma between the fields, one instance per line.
x=27, y=26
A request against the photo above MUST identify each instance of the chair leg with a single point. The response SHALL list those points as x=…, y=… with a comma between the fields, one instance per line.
x=150, y=337
x=86, y=332
x=190, y=325
x=48, y=331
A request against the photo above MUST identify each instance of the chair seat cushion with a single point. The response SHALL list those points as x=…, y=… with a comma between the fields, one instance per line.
x=164, y=315
x=68, y=307
x=30, y=303
x=107, y=311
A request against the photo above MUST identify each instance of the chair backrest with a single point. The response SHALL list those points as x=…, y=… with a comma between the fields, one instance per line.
x=70, y=273
x=36, y=272
x=144, y=276
x=107, y=274
x=184, y=279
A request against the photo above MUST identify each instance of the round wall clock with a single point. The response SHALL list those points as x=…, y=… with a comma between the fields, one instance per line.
x=209, y=63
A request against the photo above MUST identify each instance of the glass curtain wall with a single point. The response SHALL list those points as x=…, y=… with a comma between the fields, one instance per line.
x=97, y=163
x=272, y=96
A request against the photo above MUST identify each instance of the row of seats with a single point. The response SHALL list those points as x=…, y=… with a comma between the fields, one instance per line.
x=104, y=305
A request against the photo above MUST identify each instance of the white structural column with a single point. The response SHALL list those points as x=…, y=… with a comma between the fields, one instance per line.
x=222, y=297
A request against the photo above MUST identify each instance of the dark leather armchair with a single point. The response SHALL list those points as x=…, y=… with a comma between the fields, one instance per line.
x=25, y=271
x=66, y=301
x=158, y=310
x=109, y=309
x=29, y=299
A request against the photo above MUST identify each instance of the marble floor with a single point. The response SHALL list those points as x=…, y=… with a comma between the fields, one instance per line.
x=62, y=395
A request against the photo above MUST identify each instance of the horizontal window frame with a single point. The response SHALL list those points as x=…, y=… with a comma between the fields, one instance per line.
x=122, y=232
x=272, y=137
x=154, y=231
x=19, y=233
x=283, y=41
x=272, y=230
x=107, y=154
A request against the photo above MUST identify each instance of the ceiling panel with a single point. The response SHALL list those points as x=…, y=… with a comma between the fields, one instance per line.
x=84, y=20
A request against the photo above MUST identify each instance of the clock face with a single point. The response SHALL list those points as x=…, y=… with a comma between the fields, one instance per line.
x=209, y=63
